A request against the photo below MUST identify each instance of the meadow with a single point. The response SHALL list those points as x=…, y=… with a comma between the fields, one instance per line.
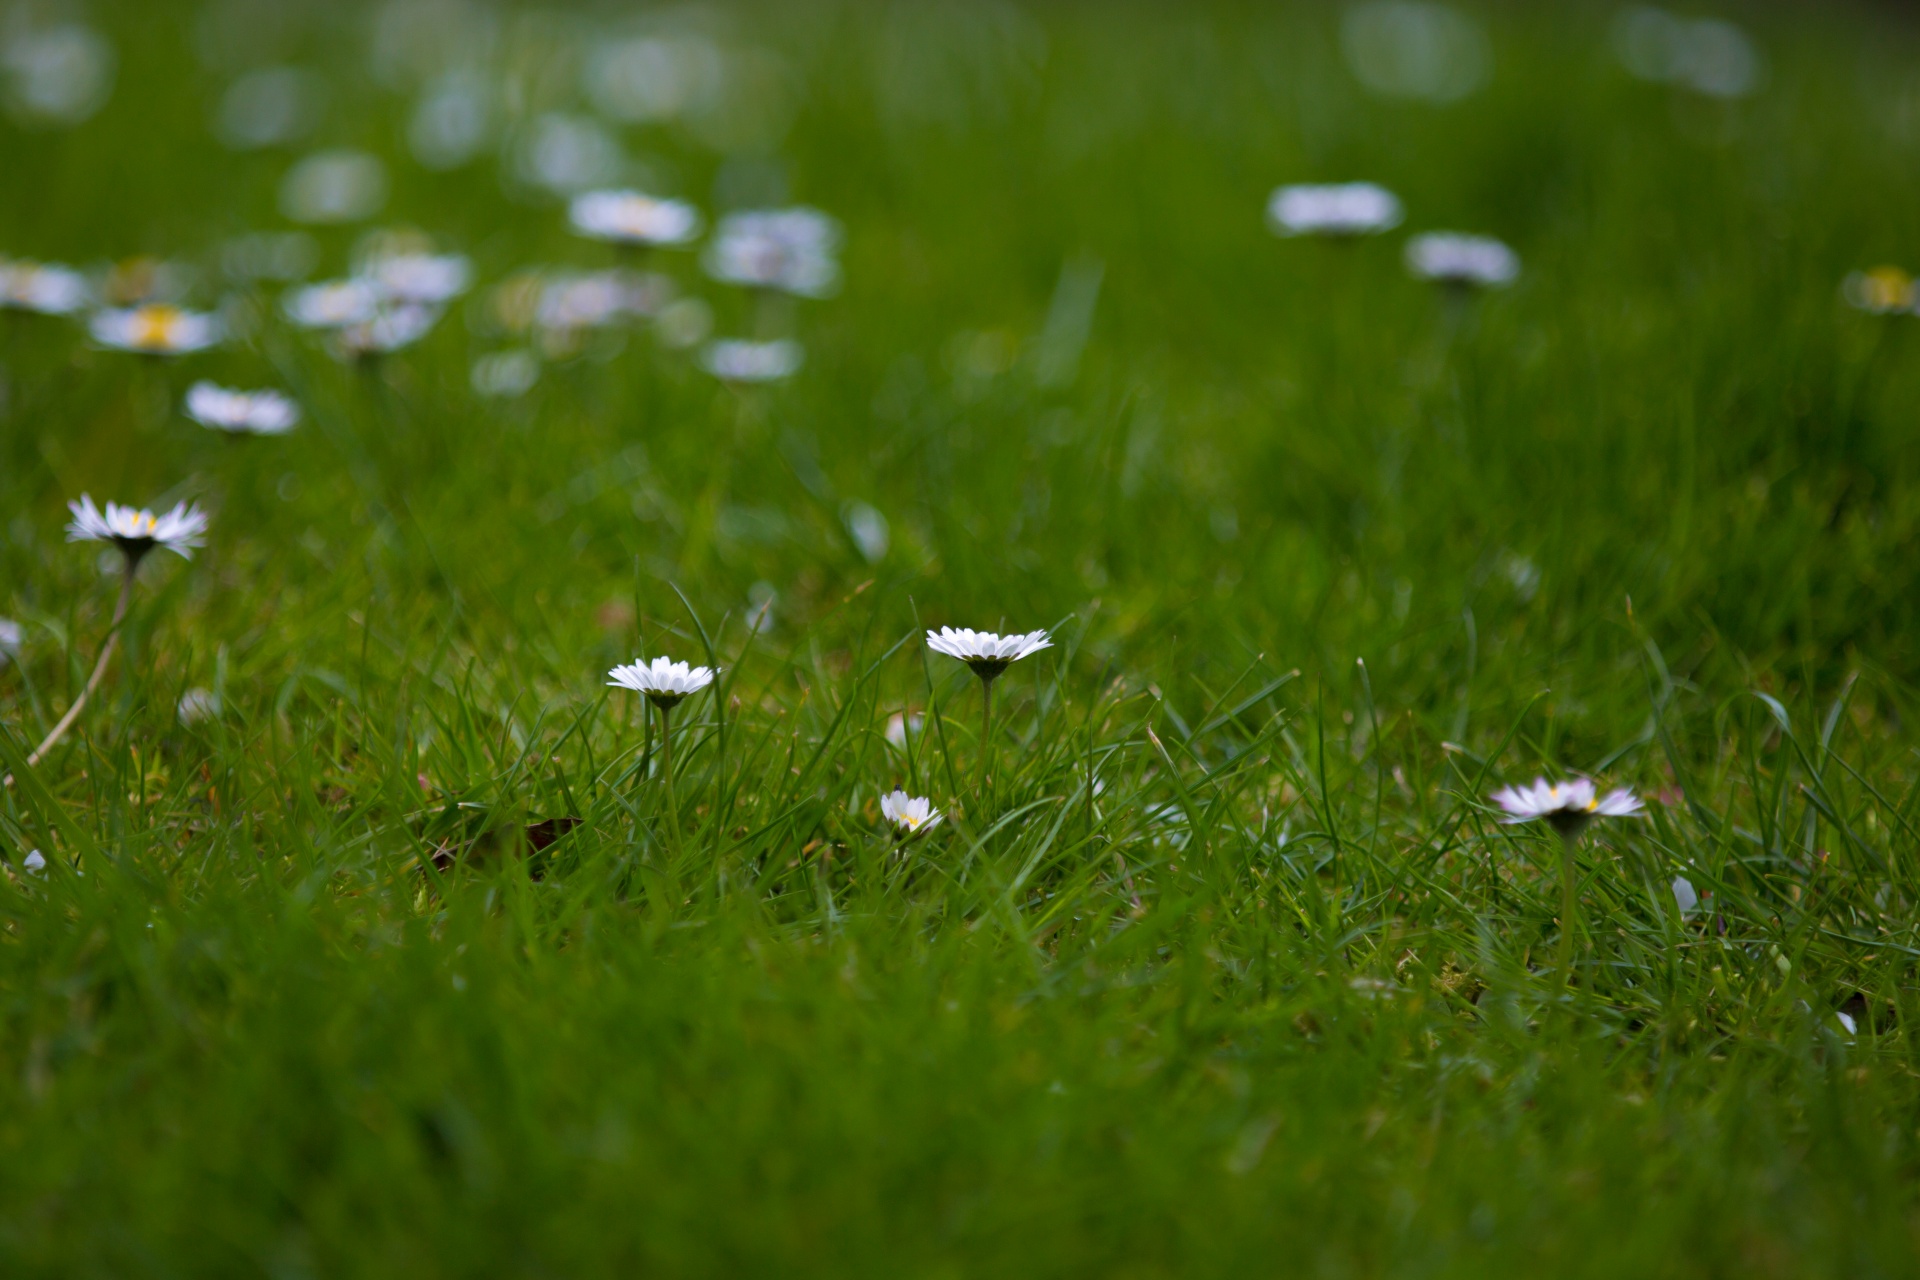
x=357, y=927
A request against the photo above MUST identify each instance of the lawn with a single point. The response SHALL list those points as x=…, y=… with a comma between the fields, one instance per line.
x=358, y=927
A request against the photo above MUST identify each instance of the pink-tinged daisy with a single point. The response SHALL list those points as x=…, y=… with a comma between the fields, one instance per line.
x=1337, y=209
x=910, y=815
x=260, y=413
x=632, y=217
x=664, y=682
x=1567, y=806
x=135, y=531
x=156, y=329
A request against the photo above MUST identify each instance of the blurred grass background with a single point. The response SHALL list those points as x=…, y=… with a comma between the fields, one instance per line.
x=1263, y=1002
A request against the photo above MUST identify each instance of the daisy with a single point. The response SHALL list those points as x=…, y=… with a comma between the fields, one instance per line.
x=1462, y=259
x=333, y=304
x=12, y=636
x=910, y=815
x=1881, y=291
x=791, y=250
x=136, y=531
x=263, y=413
x=738, y=360
x=664, y=682
x=387, y=330
x=986, y=655
x=428, y=279
x=1341, y=209
x=42, y=287
x=157, y=329
x=593, y=300
x=633, y=218
x=1567, y=806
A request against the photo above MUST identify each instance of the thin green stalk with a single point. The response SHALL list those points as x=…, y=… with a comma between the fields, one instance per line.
x=59, y=731
x=1569, y=903
x=666, y=765
x=986, y=739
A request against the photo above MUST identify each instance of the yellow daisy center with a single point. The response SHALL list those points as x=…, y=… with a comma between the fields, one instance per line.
x=154, y=326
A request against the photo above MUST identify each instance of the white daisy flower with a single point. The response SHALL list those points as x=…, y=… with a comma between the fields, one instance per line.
x=387, y=330
x=910, y=815
x=792, y=250
x=428, y=279
x=632, y=217
x=156, y=329
x=43, y=287
x=738, y=360
x=1881, y=291
x=12, y=636
x=196, y=705
x=596, y=299
x=664, y=682
x=984, y=652
x=332, y=304
x=1462, y=259
x=263, y=413
x=35, y=861
x=1338, y=209
x=136, y=531
x=1567, y=806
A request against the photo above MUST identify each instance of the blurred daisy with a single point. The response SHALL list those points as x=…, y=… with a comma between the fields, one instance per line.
x=156, y=329
x=910, y=815
x=596, y=299
x=12, y=636
x=631, y=217
x=35, y=861
x=44, y=288
x=1462, y=259
x=136, y=531
x=505, y=374
x=738, y=360
x=664, y=682
x=1339, y=209
x=1567, y=806
x=197, y=705
x=985, y=653
x=261, y=413
x=389, y=329
x=133, y=281
x=332, y=304
x=792, y=250
x=424, y=278
x=1881, y=291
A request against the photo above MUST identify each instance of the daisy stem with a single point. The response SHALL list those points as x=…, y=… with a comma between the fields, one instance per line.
x=1569, y=903
x=666, y=767
x=986, y=736
x=99, y=671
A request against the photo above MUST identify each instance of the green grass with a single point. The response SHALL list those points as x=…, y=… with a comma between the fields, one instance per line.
x=1276, y=996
